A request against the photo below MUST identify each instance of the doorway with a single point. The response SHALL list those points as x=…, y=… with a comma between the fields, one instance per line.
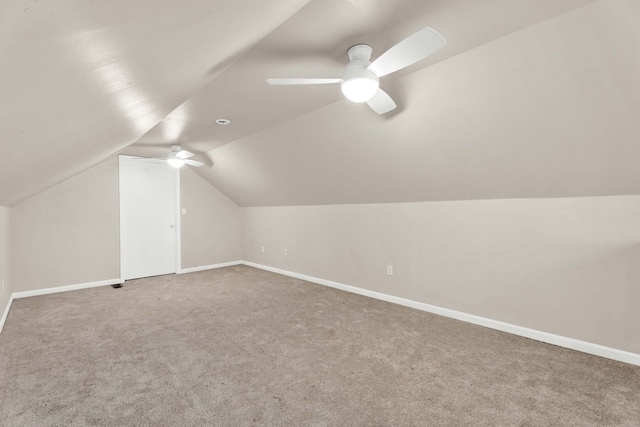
x=149, y=221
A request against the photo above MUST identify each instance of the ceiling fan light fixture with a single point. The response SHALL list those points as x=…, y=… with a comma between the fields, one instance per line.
x=173, y=159
x=176, y=162
x=358, y=83
x=360, y=89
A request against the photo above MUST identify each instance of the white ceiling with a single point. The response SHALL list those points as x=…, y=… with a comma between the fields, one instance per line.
x=529, y=98
x=82, y=79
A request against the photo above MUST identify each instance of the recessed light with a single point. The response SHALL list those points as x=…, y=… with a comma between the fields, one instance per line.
x=223, y=122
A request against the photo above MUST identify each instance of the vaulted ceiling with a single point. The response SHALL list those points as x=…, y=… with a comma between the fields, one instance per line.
x=530, y=98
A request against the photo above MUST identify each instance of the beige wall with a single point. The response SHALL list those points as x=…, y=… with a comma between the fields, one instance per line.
x=212, y=228
x=5, y=238
x=68, y=234
x=566, y=266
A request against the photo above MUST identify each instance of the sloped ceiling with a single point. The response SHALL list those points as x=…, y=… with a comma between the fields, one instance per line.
x=530, y=98
x=82, y=79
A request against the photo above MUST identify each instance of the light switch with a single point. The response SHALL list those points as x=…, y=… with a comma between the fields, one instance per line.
x=184, y=211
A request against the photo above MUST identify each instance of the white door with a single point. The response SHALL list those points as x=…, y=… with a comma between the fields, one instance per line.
x=148, y=213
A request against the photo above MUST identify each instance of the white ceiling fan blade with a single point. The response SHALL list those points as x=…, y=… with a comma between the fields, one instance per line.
x=302, y=81
x=193, y=163
x=409, y=51
x=381, y=102
x=184, y=154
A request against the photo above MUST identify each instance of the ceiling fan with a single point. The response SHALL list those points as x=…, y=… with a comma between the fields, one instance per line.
x=178, y=157
x=360, y=80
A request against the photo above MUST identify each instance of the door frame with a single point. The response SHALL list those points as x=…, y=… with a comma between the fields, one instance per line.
x=177, y=214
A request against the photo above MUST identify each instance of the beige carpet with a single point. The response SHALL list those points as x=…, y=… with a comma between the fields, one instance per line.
x=239, y=346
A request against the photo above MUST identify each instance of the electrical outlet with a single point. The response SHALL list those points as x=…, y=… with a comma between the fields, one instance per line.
x=389, y=270
x=262, y=249
x=285, y=251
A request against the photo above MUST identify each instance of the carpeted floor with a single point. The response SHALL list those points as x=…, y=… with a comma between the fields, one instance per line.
x=239, y=346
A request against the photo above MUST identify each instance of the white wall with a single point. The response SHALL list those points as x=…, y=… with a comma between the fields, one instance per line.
x=68, y=234
x=5, y=238
x=212, y=228
x=568, y=266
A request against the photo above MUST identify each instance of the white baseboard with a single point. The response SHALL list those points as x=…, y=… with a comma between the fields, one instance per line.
x=208, y=267
x=6, y=312
x=583, y=346
x=55, y=290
